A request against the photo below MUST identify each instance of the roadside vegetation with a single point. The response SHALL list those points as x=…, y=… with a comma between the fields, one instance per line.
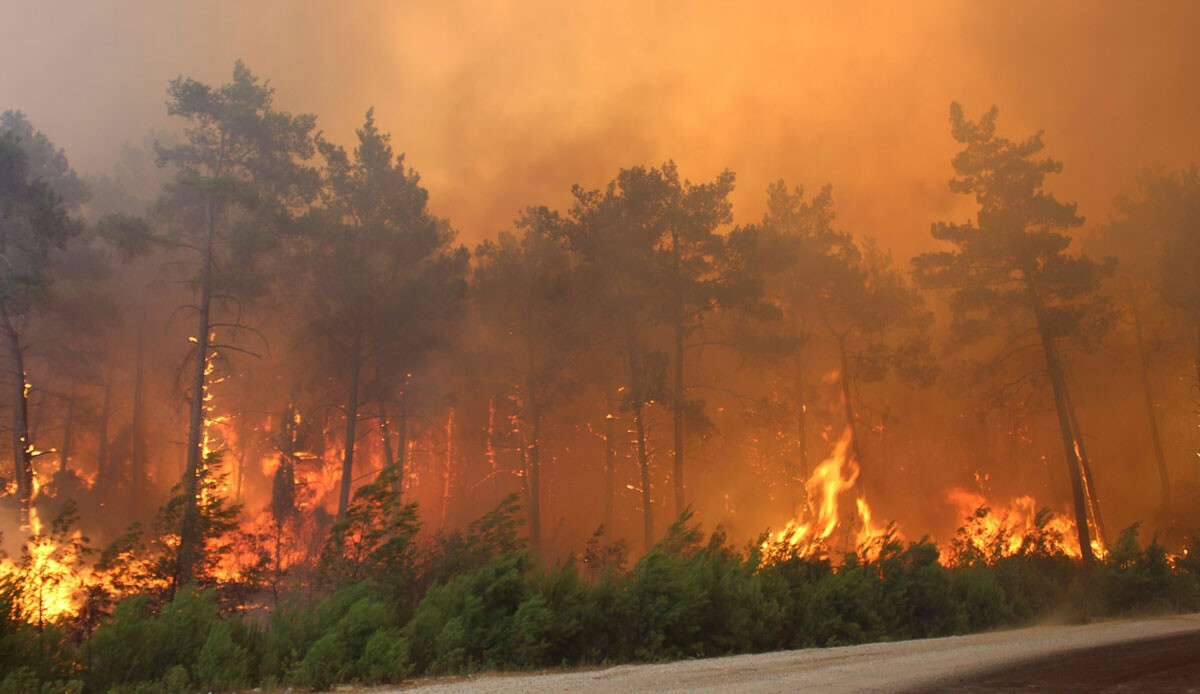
x=384, y=606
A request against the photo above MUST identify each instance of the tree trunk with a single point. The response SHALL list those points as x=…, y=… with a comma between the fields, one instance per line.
x=103, y=474
x=243, y=435
x=137, y=428
x=535, y=481
x=64, y=455
x=533, y=413
x=446, y=465
x=798, y=487
x=385, y=433
x=1089, y=484
x=22, y=444
x=1151, y=412
x=848, y=402
x=1058, y=383
x=609, y=472
x=677, y=471
x=1194, y=429
x=189, y=537
x=644, y=467
x=385, y=436
x=401, y=448
x=351, y=424
x=639, y=422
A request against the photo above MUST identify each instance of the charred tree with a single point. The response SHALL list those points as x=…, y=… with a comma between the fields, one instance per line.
x=609, y=472
x=22, y=442
x=356, y=358
x=64, y=453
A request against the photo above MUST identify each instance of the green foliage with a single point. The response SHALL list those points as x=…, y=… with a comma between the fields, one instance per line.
x=490, y=607
x=215, y=526
x=375, y=540
x=136, y=645
x=229, y=657
x=487, y=537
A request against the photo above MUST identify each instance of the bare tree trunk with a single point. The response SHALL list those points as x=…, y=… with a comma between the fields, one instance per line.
x=137, y=428
x=64, y=454
x=243, y=434
x=644, y=467
x=802, y=421
x=22, y=444
x=385, y=431
x=103, y=474
x=535, y=481
x=446, y=465
x=1194, y=429
x=351, y=424
x=796, y=487
x=848, y=402
x=1059, y=385
x=401, y=448
x=609, y=472
x=533, y=406
x=385, y=436
x=1089, y=484
x=639, y=421
x=189, y=539
x=1151, y=413
x=677, y=471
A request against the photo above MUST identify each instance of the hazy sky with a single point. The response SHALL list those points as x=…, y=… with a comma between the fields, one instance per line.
x=500, y=105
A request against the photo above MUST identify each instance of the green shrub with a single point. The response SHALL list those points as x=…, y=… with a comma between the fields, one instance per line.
x=385, y=657
x=469, y=624
x=915, y=590
x=176, y=680
x=845, y=609
x=230, y=656
x=982, y=600
x=324, y=663
x=1130, y=579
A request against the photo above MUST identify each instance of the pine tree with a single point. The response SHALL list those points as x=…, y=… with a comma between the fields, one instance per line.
x=1010, y=268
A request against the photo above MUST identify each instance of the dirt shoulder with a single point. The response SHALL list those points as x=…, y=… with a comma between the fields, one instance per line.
x=882, y=668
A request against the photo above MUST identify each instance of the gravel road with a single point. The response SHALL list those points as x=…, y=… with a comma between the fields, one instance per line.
x=978, y=663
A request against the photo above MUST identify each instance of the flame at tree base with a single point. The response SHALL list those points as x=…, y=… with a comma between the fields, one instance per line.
x=818, y=526
x=989, y=530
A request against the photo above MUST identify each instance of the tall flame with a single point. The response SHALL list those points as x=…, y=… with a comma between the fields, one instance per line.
x=819, y=520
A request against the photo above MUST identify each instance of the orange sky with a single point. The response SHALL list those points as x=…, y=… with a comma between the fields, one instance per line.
x=500, y=105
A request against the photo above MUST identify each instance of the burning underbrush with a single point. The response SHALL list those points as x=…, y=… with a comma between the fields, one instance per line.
x=835, y=519
x=286, y=600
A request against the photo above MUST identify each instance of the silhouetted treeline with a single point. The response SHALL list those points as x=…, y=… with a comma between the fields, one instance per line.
x=248, y=350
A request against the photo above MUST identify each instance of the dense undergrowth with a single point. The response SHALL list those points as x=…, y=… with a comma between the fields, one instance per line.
x=391, y=608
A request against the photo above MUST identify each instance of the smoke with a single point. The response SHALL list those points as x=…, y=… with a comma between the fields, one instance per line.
x=503, y=105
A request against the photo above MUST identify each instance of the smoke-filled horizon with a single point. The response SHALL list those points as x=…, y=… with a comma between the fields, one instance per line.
x=504, y=105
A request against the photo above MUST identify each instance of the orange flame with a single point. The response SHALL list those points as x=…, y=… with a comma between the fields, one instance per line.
x=809, y=533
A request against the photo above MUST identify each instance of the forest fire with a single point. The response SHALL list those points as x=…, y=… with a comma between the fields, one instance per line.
x=996, y=530
x=989, y=529
x=51, y=568
x=823, y=525
x=327, y=396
